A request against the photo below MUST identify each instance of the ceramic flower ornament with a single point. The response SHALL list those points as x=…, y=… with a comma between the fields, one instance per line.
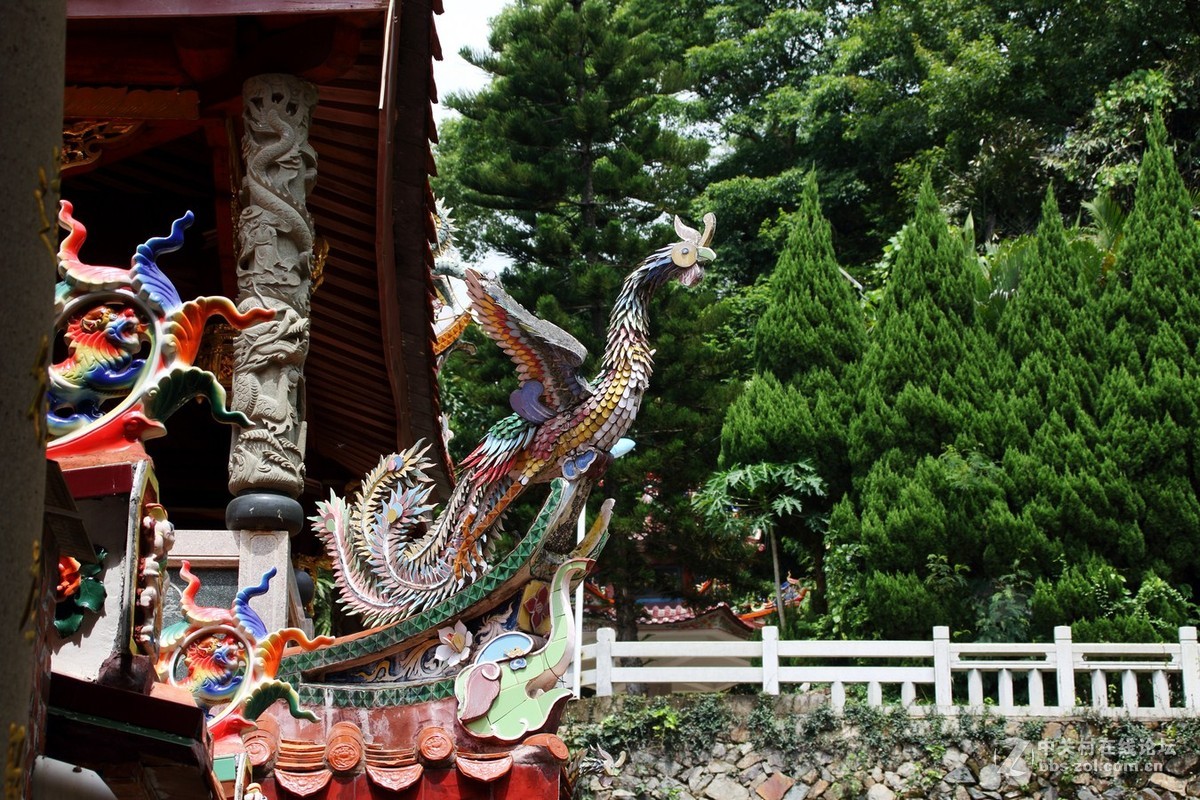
x=455, y=644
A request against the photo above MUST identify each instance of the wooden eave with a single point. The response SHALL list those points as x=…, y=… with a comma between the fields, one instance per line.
x=370, y=375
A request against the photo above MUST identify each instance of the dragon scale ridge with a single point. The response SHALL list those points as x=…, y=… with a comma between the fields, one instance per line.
x=391, y=559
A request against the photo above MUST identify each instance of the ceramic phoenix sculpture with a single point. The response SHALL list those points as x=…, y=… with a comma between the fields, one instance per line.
x=392, y=560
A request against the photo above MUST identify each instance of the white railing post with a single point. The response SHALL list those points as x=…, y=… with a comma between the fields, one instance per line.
x=1099, y=689
x=1005, y=689
x=1189, y=667
x=1064, y=668
x=837, y=696
x=770, y=660
x=604, y=661
x=1037, y=697
x=1129, y=690
x=975, y=688
x=941, y=668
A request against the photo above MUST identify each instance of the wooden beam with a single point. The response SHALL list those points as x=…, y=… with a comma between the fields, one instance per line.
x=316, y=50
x=111, y=102
x=145, y=9
x=119, y=59
x=226, y=169
x=149, y=136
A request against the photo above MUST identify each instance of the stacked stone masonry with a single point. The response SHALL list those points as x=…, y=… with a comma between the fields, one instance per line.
x=1080, y=759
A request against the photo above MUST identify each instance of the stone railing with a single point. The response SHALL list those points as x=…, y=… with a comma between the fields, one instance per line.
x=1143, y=681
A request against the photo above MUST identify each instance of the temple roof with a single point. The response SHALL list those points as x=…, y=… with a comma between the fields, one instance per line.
x=152, y=111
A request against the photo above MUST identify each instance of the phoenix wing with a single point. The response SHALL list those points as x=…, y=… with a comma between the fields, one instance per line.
x=547, y=357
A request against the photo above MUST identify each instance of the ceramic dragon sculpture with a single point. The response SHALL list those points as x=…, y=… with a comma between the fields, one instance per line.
x=391, y=561
x=228, y=659
x=131, y=343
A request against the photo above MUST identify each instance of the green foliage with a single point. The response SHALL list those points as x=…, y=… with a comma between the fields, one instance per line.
x=985, y=726
x=1005, y=433
x=745, y=502
x=1096, y=595
x=691, y=724
x=564, y=158
x=88, y=597
x=991, y=99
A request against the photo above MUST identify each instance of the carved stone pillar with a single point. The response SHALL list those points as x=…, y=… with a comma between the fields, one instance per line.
x=274, y=270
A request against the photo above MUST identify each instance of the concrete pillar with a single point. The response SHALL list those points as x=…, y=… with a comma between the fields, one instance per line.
x=32, y=38
x=275, y=255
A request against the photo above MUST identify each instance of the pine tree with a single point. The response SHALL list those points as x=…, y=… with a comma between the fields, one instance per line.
x=563, y=160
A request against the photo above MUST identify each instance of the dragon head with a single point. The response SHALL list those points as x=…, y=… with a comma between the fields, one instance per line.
x=215, y=665
x=107, y=330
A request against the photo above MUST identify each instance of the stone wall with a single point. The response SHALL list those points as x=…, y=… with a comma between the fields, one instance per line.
x=795, y=748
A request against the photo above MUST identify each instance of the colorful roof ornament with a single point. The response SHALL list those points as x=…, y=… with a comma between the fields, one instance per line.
x=228, y=660
x=131, y=342
x=392, y=558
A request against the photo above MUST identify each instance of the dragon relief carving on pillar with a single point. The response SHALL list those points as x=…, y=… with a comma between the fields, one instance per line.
x=274, y=271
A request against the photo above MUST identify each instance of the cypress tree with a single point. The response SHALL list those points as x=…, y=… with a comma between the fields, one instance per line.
x=913, y=376
x=1126, y=509
x=797, y=405
x=932, y=517
x=1148, y=404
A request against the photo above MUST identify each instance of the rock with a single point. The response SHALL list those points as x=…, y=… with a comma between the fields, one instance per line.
x=719, y=750
x=622, y=793
x=953, y=757
x=877, y=775
x=818, y=788
x=959, y=775
x=1169, y=782
x=698, y=781
x=776, y=787
x=797, y=792
x=894, y=781
x=749, y=760
x=1053, y=730
x=724, y=788
x=1148, y=794
x=961, y=793
x=906, y=769
x=1182, y=765
x=751, y=775
x=880, y=792
x=720, y=767
x=1085, y=793
x=990, y=778
x=810, y=777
